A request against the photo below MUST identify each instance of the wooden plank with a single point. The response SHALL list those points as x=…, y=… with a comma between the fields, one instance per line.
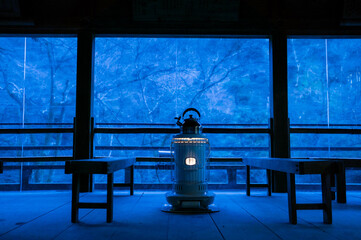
x=98, y=166
x=259, y=185
x=168, y=159
x=345, y=217
x=192, y=226
x=272, y=212
x=35, y=215
x=176, y=130
x=153, y=159
x=348, y=162
x=121, y=184
x=35, y=159
x=56, y=221
x=290, y=165
x=326, y=130
x=135, y=217
x=35, y=130
x=309, y=206
x=234, y=222
x=93, y=205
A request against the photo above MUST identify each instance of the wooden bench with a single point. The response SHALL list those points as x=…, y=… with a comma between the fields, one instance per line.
x=98, y=166
x=340, y=175
x=300, y=166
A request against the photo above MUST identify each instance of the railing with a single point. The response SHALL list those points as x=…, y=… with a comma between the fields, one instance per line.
x=140, y=148
x=135, y=128
x=26, y=172
x=232, y=171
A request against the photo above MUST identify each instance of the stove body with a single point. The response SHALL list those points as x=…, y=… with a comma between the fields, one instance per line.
x=190, y=156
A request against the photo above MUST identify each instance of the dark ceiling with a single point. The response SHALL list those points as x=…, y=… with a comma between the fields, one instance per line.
x=182, y=16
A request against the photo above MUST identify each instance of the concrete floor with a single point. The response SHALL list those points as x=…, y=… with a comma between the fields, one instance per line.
x=46, y=215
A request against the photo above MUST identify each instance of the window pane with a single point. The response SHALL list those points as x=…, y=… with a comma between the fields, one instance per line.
x=34, y=175
x=37, y=90
x=152, y=80
x=158, y=145
x=324, y=81
x=324, y=91
x=36, y=145
x=327, y=145
x=11, y=174
x=239, y=145
x=37, y=81
x=146, y=82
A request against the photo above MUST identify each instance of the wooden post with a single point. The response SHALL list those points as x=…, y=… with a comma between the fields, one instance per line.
x=75, y=198
x=341, y=182
x=248, y=180
x=292, y=208
x=333, y=184
x=269, y=182
x=326, y=197
x=280, y=137
x=232, y=177
x=132, y=180
x=110, y=197
x=84, y=104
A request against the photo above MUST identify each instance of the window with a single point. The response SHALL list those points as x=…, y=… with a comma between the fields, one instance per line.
x=144, y=82
x=324, y=85
x=324, y=80
x=37, y=90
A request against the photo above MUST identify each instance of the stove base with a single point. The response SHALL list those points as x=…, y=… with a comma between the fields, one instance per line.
x=170, y=209
x=189, y=203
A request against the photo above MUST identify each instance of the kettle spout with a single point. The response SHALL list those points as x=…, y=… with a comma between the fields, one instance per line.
x=178, y=121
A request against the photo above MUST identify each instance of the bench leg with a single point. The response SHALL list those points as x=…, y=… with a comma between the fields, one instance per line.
x=291, y=189
x=341, y=183
x=326, y=197
x=110, y=197
x=131, y=180
x=333, y=184
x=75, y=198
x=248, y=180
x=269, y=182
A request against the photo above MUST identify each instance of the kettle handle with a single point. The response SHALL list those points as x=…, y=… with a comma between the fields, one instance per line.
x=191, y=109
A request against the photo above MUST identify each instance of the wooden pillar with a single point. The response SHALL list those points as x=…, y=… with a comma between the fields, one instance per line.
x=84, y=104
x=280, y=137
